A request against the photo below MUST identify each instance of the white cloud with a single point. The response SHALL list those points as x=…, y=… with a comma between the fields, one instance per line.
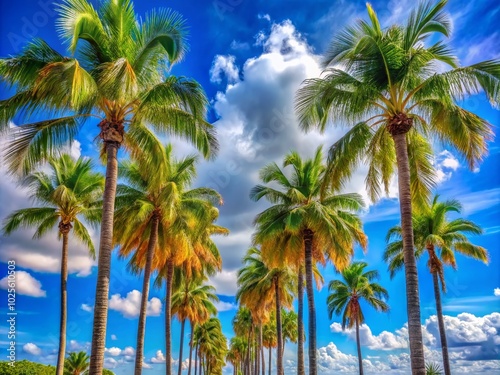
x=224, y=65
x=383, y=341
x=114, y=338
x=158, y=358
x=128, y=351
x=445, y=164
x=496, y=292
x=32, y=349
x=114, y=351
x=110, y=362
x=130, y=305
x=25, y=284
x=266, y=17
x=225, y=306
x=145, y=365
x=225, y=283
x=86, y=307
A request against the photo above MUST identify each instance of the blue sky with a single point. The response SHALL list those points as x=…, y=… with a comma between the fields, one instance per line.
x=250, y=57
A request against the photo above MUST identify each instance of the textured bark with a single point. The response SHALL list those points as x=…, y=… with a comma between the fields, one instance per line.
x=358, y=343
x=168, y=319
x=279, y=353
x=196, y=358
x=412, y=295
x=270, y=359
x=183, y=325
x=191, y=348
x=141, y=326
x=104, y=262
x=442, y=332
x=300, y=324
x=308, y=238
x=257, y=356
x=262, y=351
x=64, y=229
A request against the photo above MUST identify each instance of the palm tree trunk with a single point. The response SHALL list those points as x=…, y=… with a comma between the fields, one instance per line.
x=270, y=359
x=104, y=262
x=168, y=318
x=196, y=359
x=300, y=324
x=64, y=301
x=279, y=357
x=358, y=343
x=262, y=351
x=183, y=324
x=442, y=332
x=257, y=356
x=141, y=327
x=191, y=348
x=412, y=295
x=308, y=238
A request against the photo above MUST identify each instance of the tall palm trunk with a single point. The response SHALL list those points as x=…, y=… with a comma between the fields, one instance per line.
x=257, y=356
x=191, y=347
x=64, y=230
x=300, y=323
x=308, y=239
x=412, y=295
x=442, y=332
x=261, y=341
x=279, y=356
x=168, y=318
x=104, y=262
x=196, y=359
x=141, y=327
x=358, y=343
x=183, y=324
x=270, y=359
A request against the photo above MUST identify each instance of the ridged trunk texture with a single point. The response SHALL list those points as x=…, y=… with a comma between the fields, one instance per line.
x=196, y=358
x=257, y=356
x=442, y=331
x=168, y=319
x=358, y=344
x=104, y=262
x=64, y=230
x=141, y=326
x=412, y=294
x=262, y=351
x=279, y=353
x=183, y=325
x=300, y=323
x=270, y=359
x=308, y=239
x=191, y=347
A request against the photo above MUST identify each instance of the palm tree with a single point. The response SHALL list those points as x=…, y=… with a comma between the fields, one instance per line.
x=289, y=321
x=194, y=302
x=187, y=240
x=385, y=82
x=66, y=195
x=76, y=364
x=212, y=346
x=433, y=369
x=147, y=203
x=263, y=286
x=345, y=297
x=236, y=353
x=119, y=76
x=326, y=224
x=270, y=338
x=440, y=238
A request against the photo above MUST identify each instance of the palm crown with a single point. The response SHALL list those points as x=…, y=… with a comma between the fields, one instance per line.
x=118, y=72
x=388, y=81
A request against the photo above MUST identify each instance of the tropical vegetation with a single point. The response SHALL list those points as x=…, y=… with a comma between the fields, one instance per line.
x=441, y=239
x=386, y=85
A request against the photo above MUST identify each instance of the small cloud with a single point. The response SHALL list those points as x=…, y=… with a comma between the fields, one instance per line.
x=32, y=349
x=266, y=17
x=114, y=338
x=239, y=46
x=225, y=306
x=145, y=365
x=115, y=352
x=25, y=284
x=158, y=358
x=497, y=292
x=130, y=305
x=86, y=307
x=224, y=65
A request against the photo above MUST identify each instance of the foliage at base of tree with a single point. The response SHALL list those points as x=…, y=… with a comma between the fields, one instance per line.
x=25, y=367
